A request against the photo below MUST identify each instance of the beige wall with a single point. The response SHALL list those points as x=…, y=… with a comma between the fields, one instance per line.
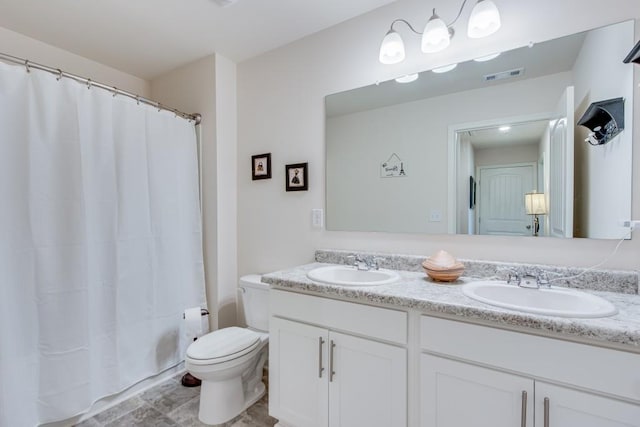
x=208, y=87
x=281, y=110
x=601, y=169
x=227, y=190
x=192, y=88
x=16, y=44
x=417, y=132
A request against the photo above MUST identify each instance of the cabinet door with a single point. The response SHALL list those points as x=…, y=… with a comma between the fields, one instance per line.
x=369, y=383
x=569, y=408
x=455, y=394
x=298, y=383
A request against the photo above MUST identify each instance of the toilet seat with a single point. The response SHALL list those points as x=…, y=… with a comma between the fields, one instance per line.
x=223, y=345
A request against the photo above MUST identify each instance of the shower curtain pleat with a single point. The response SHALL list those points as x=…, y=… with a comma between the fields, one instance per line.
x=100, y=244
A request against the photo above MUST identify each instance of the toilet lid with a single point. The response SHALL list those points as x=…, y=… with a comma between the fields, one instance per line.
x=226, y=344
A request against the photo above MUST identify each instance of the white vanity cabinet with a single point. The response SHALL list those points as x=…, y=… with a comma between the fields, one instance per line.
x=297, y=373
x=570, y=407
x=455, y=394
x=335, y=363
x=504, y=378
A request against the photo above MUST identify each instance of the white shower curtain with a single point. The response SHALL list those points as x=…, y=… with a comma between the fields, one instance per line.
x=100, y=244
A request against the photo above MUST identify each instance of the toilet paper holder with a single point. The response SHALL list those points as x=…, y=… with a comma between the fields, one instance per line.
x=203, y=312
x=187, y=379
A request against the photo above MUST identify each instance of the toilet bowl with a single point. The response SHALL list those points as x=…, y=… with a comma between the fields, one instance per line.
x=229, y=361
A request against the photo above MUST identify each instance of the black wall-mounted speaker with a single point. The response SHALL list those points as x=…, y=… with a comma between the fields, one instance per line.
x=605, y=119
x=634, y=55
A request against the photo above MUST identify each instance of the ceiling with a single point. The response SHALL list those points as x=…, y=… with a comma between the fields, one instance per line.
x=518, y=134
x=147, y=38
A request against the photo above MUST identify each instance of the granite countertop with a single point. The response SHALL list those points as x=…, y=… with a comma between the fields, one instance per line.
x=417, y=291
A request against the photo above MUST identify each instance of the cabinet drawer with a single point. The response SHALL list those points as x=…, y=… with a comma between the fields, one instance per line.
x=608, y=371
x=375, y=322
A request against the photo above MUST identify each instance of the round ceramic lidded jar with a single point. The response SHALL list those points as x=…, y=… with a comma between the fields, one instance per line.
x=443, y=267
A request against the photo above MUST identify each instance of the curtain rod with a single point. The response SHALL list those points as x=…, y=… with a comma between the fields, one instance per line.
x=197, y=118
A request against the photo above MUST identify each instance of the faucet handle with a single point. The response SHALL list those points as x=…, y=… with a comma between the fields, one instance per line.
x=514, y=276
x=543, y=280
x=375, y=262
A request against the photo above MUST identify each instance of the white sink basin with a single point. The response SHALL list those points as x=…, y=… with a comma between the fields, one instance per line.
x=350, y=276
x=551, y=302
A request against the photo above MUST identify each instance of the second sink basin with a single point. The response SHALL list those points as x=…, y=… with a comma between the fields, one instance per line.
x=350, y=276
x=551, y=302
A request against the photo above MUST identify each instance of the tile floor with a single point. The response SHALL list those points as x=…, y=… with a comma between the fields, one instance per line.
x=169, y=404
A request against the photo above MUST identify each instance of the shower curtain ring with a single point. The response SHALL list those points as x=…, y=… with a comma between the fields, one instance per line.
x=26, y=65
x=115, y=91
x=59, y=74
x=159, y=106
x=88, y=83
x=137, y=99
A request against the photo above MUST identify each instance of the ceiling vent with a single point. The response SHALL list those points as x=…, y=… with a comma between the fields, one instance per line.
x=504, y=75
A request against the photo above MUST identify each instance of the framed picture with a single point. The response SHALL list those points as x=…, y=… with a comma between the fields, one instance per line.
x=261, y=166
x=296, y=175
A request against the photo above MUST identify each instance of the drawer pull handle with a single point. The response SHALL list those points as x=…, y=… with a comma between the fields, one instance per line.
x=320, y=368
x=546, y=412
x=331, y=371
x=523, y=412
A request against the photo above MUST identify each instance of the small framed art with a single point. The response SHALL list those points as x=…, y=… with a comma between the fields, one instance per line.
x=261, y=166
x=297, y=177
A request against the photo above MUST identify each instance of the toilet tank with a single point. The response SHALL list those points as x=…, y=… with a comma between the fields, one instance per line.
x=255, y=302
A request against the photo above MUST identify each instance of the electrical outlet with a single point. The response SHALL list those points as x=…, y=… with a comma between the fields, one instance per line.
x=317, y=218
x=435, y=215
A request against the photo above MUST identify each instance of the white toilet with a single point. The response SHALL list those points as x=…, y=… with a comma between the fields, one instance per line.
x=229, y=361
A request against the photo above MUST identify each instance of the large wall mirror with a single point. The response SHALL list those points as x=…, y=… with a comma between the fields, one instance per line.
x=489, y=146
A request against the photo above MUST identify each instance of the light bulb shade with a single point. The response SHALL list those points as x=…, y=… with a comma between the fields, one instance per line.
x=484, y=20
x=535, y=204
x=392, y=48
x=487, y=57
x=408, y=78
x=436, y=35
x=444, y=69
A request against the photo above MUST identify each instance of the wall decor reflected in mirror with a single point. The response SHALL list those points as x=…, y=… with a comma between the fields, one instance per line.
x=506, y=125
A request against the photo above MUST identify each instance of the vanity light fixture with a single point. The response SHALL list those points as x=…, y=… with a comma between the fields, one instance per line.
x=484, y=20
x=436, y=36
x=392, y=49
x=505, y=128
x=487, y=57
x=444, y=69
x=407, y=78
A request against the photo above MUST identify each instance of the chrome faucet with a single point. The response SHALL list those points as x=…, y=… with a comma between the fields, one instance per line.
x=363, y=263
x=528, y=279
